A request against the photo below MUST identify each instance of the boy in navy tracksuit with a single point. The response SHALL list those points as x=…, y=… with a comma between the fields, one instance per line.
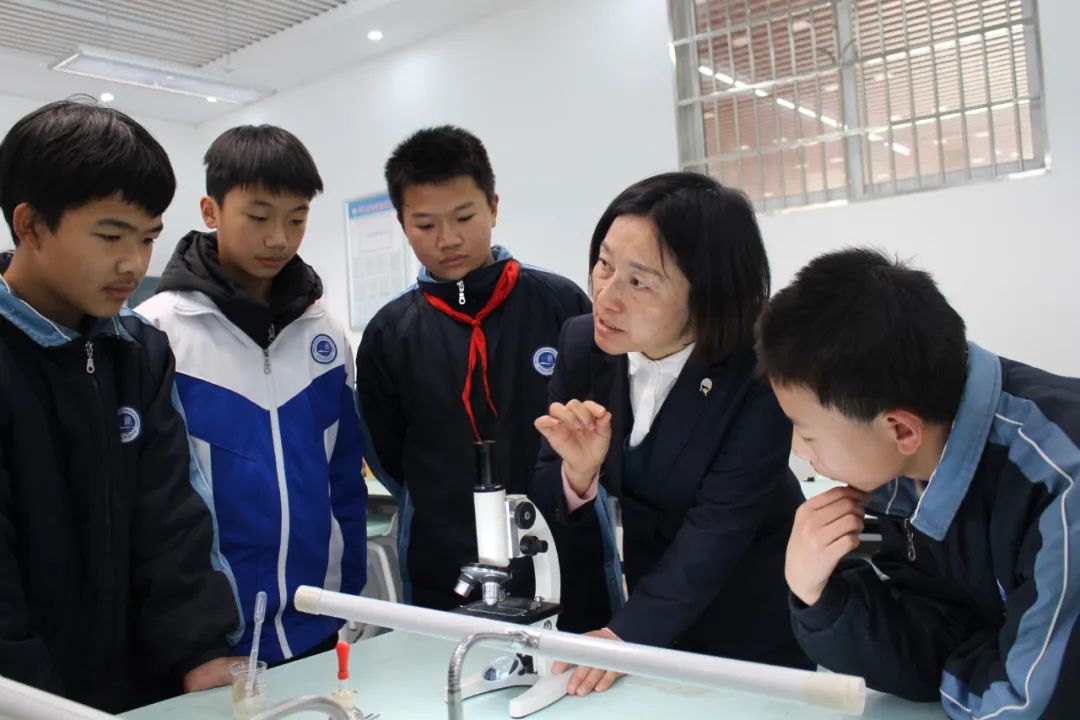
x=463, y=355
x=969, y=460
x=112, y=589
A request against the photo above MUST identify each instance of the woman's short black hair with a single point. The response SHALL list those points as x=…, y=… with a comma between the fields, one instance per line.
x=68, y=153
x=436, y=155
x=260, y=156
x=866, y=334
x=713, y=235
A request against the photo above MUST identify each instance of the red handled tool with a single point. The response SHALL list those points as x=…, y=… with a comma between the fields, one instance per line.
x=342, y=664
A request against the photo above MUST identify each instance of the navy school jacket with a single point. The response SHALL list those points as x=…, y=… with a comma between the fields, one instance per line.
x=111, y=583
x=704, y=540
x=410, y=370
x=976, y=592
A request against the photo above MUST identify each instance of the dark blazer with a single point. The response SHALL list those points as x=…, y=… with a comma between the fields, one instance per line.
x=705, y=537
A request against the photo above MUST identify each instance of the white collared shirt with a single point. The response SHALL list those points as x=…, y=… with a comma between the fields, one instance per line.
x=650, y=383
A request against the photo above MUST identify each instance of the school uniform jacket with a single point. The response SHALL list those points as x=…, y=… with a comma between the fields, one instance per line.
x=978, y=595
x=111, y=584
x=268, y=391
x=706, y=532
x=412, y=364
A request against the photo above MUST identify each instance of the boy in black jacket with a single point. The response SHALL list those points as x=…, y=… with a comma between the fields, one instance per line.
x=969, y=460
x=112, y=592
x=463, y=355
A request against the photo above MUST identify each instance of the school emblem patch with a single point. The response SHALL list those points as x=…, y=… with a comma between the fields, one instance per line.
x=324, y=349
x=544, y=360
x=130, y=424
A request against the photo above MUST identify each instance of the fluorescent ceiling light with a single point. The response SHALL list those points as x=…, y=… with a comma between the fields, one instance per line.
x=156, y=75
x=375, y=35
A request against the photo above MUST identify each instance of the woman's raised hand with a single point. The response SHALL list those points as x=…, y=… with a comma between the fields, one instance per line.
x=580, y=432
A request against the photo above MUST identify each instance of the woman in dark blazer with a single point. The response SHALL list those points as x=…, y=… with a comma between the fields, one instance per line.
x=655, y=400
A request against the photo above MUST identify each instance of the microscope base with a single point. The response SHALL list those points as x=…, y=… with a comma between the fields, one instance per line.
x=477, y=685
x=543, y=689
x=546, y=690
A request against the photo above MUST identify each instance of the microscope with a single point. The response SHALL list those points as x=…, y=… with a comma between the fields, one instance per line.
x=507, y=527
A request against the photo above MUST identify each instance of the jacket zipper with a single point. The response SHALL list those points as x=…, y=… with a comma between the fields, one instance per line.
x=266, y=350
x=91, y=370
x=279, y=472
x=460, y=292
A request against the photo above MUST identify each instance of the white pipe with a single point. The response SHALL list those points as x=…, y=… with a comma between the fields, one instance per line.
x=28, y=703
x=845, y=693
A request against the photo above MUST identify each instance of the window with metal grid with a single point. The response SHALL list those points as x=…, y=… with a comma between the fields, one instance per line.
x=800, y=102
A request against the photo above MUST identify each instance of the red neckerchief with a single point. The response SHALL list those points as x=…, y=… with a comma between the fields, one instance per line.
x=478, y=343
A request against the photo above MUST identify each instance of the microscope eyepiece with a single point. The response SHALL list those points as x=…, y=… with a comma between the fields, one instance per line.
x=485, y=464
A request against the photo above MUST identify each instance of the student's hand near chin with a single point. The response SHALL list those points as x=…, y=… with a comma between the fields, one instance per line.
x=587, y=679
x=580, y=432
x=826, y=529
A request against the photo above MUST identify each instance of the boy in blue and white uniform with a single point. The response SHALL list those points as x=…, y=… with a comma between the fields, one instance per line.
x=265, y=375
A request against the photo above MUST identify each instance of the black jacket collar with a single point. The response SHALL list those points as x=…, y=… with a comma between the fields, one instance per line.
x=476, y=287
x=195, y=266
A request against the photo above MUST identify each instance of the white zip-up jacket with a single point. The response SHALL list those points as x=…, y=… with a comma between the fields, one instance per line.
x=277, y=434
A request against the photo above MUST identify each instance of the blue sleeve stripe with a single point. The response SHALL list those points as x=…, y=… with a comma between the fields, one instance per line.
x=202, y=487
x=348, y=493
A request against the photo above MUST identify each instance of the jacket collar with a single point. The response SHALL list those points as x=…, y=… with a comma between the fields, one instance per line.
x=44, y=331
x=476, y=287
x=195, y=266
x=933, y=512
x=194, y=302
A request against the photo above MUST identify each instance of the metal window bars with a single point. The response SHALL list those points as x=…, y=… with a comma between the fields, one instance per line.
x=799, y=102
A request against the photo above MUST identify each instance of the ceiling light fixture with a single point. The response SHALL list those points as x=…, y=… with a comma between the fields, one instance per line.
x=156, y=75
x=375, y=35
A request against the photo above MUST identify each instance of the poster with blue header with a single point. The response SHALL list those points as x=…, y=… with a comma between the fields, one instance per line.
x=380, y=263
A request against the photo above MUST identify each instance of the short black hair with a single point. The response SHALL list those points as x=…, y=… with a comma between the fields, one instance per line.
x=72, y=152
x=713, y=234
x=866, y=334
x=264, y=156
x=436, y=155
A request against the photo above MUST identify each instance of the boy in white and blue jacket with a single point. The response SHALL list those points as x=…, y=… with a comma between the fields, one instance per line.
x=265, y=376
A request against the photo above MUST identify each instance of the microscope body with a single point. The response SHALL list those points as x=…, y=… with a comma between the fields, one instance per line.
x=509, y=527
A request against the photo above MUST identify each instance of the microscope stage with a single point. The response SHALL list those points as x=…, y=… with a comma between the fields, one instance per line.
x=521, y=611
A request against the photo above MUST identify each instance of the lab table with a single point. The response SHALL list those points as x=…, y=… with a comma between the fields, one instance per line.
x=402, y=676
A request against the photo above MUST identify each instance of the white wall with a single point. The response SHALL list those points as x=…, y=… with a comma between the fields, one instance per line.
x=1005, y=253
x=573, y=99
x=179, y=141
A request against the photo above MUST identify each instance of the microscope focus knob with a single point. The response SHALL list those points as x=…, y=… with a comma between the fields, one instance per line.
x=532, y=545
x=525, y=515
